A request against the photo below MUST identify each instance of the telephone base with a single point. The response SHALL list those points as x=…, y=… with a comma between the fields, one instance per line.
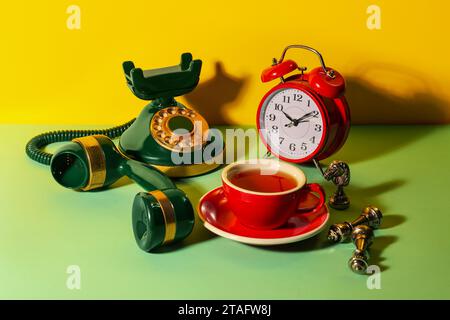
x=190, y=170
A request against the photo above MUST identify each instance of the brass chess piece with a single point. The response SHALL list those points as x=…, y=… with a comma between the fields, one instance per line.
x=362, y=237
x=337, y=172
x=370, y=216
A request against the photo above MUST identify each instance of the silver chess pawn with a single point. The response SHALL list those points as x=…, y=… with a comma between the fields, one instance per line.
x=362, y=237
x=370, y=216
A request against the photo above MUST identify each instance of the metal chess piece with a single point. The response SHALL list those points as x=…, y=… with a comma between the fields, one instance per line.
x=358, y=262
x=340, y=232
x=362, y=237
x=339, y=173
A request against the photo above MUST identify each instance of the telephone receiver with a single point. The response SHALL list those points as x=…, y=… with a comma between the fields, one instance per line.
x=160, y=216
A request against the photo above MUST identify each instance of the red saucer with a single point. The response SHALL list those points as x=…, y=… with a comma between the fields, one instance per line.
x=219, y=219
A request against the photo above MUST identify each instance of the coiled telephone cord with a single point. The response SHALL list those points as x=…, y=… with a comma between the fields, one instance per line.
x=35, y=146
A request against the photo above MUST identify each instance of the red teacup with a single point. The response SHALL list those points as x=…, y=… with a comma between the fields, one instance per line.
x=264, y=193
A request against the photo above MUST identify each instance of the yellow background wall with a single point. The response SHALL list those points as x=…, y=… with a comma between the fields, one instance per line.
x=50, y=74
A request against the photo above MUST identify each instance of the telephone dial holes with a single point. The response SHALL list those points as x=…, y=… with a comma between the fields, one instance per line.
x=175, y=127
x=160, y=134
x=174, y=140
x=172, y=110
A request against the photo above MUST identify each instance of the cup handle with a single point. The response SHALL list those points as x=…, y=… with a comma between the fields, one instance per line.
x=316, y=188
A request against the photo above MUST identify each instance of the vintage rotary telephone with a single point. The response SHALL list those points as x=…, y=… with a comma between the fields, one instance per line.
x=153, y=137
x=91, y=160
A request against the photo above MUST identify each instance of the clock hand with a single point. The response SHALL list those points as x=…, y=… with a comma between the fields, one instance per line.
x=288, y=116
x=289, y=125
x=296, y=122
x=305, y=116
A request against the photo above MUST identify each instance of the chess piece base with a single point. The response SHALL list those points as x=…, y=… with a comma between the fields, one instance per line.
x=358, y=265
x=339, y=202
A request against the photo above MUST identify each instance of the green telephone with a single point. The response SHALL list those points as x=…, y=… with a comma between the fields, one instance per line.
x=153, y=137
x=145, y=152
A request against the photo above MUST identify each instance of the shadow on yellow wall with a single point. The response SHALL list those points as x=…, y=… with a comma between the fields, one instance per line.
x=406, y=99
x=212, y=97
x=62, y=63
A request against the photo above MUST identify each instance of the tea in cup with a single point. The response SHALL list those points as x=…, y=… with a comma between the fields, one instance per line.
x=265, y=193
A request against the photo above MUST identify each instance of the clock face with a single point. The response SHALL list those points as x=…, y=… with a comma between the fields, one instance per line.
x=292, y=123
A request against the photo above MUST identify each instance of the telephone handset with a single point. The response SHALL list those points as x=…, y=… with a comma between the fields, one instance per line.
x=161, y=215
x=91, y=160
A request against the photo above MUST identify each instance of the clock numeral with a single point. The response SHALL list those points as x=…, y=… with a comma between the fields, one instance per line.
x=281, y=140
x=275, y=128
x=304, y=146
x=292, y=147
x=286, y=99
x=278, y=106
x=315, y=114
x=298, y=97
x=272, y=117
x=313, y=139
x=309, y=103
x=318, y=127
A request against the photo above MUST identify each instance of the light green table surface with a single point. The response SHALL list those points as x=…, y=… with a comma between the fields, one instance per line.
x=404, y=170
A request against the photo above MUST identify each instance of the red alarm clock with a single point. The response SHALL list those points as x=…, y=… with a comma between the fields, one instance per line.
x=306, y=115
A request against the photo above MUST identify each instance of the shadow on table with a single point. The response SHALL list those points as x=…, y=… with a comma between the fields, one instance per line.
x=380, y=244
x=360, y=197
x=366, y=143
x=376, y=251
